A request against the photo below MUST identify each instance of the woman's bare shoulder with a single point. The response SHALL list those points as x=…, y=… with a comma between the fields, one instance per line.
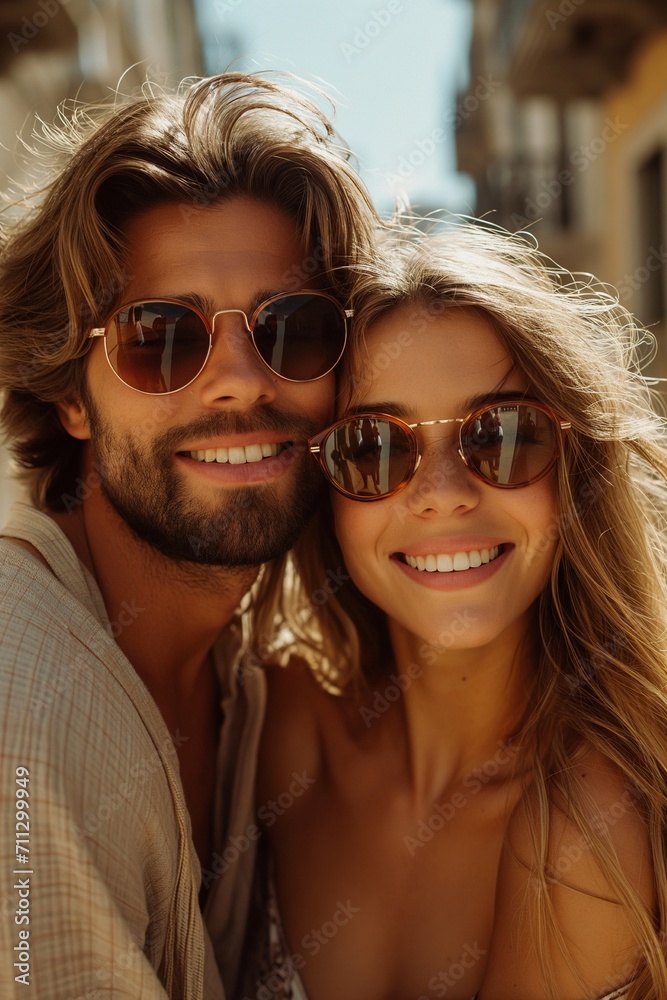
x=585, y=899
x=610, y=808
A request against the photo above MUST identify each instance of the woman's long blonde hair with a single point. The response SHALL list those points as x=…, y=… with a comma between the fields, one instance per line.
x=601, y=678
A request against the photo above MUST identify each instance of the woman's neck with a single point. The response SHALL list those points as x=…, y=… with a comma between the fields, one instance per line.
x=460, y=709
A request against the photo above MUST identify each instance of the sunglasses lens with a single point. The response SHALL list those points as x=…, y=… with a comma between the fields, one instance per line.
x=368, y=456
x=300, y=337
x=157, y=346
x=511, y=445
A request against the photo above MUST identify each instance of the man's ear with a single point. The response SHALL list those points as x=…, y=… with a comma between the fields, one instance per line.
x=74, y=418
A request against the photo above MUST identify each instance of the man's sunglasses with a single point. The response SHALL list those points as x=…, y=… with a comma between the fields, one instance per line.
x=161, y=345
x=369, y=456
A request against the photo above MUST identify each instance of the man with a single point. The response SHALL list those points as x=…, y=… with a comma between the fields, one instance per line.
x=170, y=317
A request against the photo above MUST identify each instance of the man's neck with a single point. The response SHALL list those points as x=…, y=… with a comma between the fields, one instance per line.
x=165, y=615
x=166, y=618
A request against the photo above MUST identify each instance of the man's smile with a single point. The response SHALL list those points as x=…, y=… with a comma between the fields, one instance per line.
x=239, y=455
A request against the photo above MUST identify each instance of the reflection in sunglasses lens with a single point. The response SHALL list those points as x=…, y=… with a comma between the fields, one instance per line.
x=159, y=347
x=511, y=445
x=370, y=456
x=300, y=336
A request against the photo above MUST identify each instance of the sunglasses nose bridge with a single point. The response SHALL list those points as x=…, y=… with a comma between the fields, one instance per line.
x=232, y=348
x=234, y=332
x=225, y=312
x=432, y=436
x=440, y=462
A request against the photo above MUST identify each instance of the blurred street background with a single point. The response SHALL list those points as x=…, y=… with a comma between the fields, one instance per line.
x=547, y=115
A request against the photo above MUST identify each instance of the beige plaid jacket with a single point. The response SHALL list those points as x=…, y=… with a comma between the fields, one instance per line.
x=99, y=878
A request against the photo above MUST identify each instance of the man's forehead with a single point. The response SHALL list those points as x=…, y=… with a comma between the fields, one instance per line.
x=240, y=242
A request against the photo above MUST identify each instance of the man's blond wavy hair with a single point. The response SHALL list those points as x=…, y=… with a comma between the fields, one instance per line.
x=601, y=678
x=63, y=267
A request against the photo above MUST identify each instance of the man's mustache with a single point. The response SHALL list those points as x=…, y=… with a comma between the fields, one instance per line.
x=292, y=426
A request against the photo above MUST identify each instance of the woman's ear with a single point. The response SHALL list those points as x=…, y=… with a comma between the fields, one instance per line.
x=74, y=418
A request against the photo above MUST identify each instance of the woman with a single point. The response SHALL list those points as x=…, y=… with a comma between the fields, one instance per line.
x=467, y=796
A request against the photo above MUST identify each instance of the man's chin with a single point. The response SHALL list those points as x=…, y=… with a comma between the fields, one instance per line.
x=251, y=529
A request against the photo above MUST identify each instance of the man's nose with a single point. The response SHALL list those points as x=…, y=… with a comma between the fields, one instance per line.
x=234, y=372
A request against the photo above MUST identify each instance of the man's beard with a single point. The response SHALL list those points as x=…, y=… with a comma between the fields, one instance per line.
x=245, y=526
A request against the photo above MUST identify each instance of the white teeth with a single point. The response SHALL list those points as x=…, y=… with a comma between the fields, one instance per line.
x=253, y=453
x=236, y=455
x=459, y=561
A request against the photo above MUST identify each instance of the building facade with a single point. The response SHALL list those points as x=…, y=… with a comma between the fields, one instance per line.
x=572, y=142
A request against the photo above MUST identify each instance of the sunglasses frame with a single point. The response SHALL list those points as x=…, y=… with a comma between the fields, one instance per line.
x=209, y=323
x=316, y=445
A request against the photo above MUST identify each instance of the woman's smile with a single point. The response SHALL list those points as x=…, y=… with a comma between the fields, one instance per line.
x=447, y=540
x=454, y=569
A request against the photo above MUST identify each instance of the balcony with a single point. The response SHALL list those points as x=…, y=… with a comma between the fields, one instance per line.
x=571, y=49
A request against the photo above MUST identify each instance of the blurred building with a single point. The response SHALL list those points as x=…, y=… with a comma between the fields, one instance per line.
x=86, y=49
x=564, y=129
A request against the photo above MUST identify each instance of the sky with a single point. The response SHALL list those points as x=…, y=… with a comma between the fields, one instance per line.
x=393, y=67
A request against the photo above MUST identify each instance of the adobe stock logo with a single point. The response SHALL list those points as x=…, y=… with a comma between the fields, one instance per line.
x=31, y=26
x=565, y=9
x=375, y=25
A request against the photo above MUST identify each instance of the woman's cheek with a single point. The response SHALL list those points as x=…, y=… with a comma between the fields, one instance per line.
x=358, y=529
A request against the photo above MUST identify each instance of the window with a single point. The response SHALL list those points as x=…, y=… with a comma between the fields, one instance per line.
x=652, y=259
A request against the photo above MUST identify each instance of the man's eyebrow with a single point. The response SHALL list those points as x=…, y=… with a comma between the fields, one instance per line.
x=201, y=302
x=207, y=306
x=394, y=409
x=262, y=296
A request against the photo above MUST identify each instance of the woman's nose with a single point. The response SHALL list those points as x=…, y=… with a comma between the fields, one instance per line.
x=443, y=483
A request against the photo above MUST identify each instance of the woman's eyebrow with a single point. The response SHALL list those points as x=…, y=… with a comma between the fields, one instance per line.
x=394, y=409
x=383, y=406
x=495, y=396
